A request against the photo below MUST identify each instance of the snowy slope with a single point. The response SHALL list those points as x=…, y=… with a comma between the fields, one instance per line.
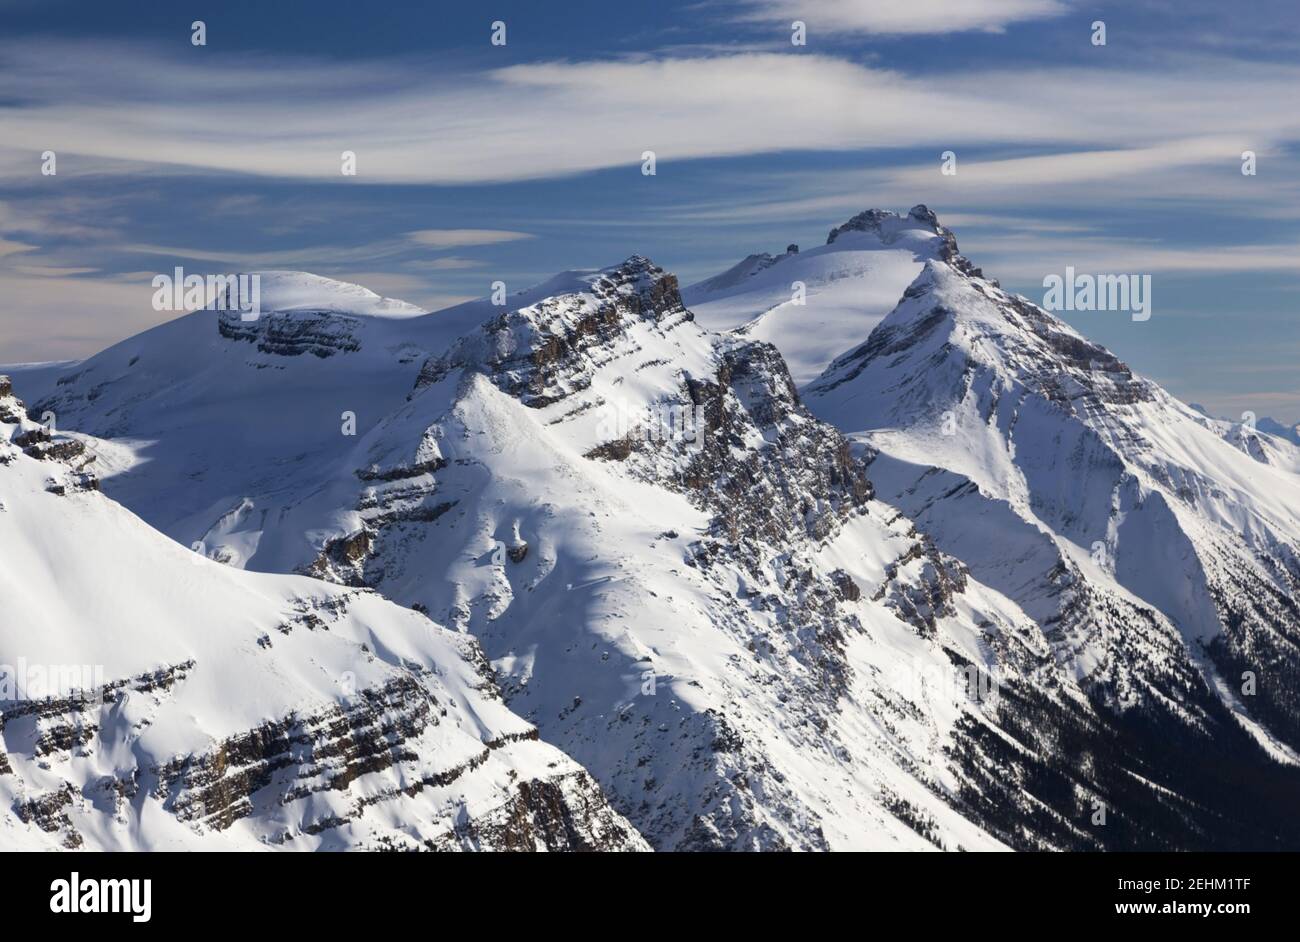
x=519, y=497
x=965, y=377
x=1157, y=547
x=849, y=284
x=750, y=630
x=806, y=633
x=154, y=699
x=250, y=412
x=493, y=500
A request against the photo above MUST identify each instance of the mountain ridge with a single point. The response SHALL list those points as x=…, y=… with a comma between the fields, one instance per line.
x=752, y=605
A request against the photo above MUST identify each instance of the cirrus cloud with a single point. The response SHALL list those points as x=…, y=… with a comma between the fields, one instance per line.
x=543, y=120
x=903, y=17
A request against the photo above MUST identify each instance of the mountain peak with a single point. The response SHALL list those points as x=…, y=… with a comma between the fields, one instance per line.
x=291, y=291
x=637, y=263
x=67, y=458
x=889, y=225
x=532, y=350
x=298, y=312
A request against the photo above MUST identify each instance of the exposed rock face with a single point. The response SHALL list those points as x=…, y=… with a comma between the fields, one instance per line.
x=295, y=759
x=9, y=408
x=928, y=595
x=559, y=814
x=303, y=769
x=320, y=333
x=844, y=584
x=785, y=497
x=543, y=353
x=343, y=558
x=722, y=437
x=70, y=461
x=48, y=812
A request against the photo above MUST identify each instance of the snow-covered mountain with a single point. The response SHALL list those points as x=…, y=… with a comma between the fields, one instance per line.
x=955, y=592
x=1272, y=426
x=1245, y=434
x=1156, y=547
x=685, y=600
x=153, y=699
x=807, y=303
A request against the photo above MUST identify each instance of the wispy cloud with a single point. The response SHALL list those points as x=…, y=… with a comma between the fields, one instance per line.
x=902, y=17
x=1031, y=256
x=293, y=257
x=459, y=238
x=11, y=248
x=330, y=255
x=294, y=119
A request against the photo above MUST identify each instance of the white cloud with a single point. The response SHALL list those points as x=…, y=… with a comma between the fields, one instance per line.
x=1201, y=171
x=8, y=247
x=294, y=119
x=448, y=263
x=51, y=271
x=1033, y=256
x=458, y=238
x=287, y=258
x=903, y=17
x=1086, y=166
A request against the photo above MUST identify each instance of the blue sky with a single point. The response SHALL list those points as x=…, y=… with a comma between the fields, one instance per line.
x=479, y=163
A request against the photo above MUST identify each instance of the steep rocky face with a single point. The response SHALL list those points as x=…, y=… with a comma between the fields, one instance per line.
x=1159, y=566
x=150, y=698
x=1047, y=356
x=320, y=333
x=785, y=496
x=548, y=351
x=694, y=567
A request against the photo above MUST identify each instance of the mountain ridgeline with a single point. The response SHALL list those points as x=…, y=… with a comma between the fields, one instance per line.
x=843, y=548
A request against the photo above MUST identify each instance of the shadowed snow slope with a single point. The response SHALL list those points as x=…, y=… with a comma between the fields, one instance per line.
x=154, y=699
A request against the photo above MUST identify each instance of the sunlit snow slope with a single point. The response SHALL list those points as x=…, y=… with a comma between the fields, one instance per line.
x=807, y=302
